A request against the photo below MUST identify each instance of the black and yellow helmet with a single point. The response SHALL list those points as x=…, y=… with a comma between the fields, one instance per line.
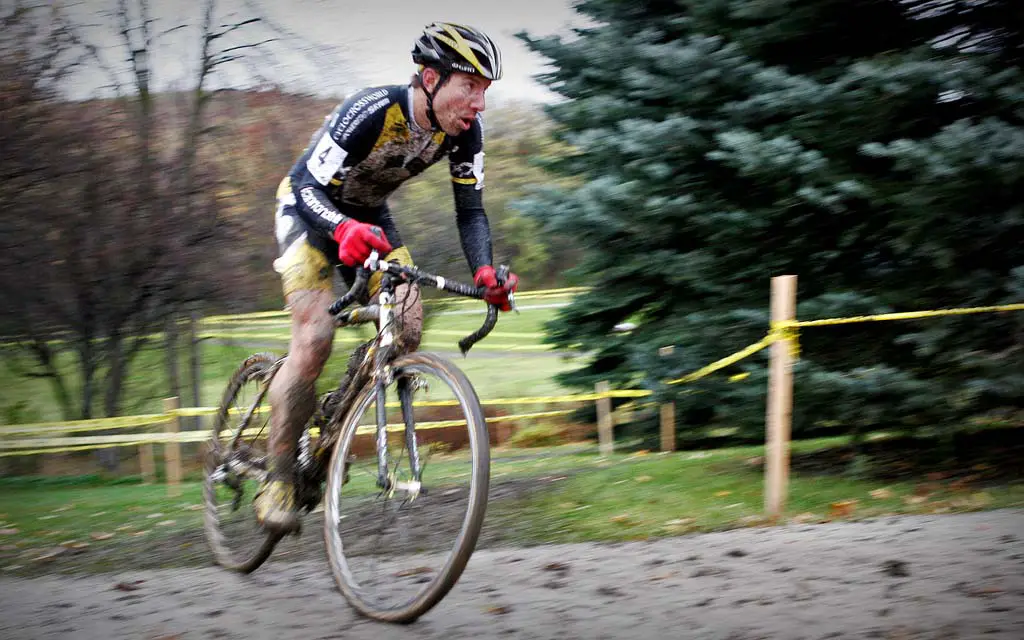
x=456, y=47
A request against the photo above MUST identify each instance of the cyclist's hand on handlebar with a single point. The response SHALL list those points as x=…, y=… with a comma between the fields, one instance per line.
x=497, y=293
x=357, y=239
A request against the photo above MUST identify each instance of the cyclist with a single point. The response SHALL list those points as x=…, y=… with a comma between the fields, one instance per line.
x=332, y=211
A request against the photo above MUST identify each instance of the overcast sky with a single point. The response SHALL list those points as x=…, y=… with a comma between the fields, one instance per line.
x=372, y=39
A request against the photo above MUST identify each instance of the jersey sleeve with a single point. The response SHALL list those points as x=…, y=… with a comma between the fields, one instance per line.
x=342, y=141
x=467, y=172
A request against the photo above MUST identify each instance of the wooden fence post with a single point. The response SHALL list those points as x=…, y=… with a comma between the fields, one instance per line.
x=668, y=413
x=605, y=438
x=668, y=426
x=172, y=449
x=780, y=400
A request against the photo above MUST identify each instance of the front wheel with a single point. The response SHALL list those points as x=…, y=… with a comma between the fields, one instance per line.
x=401, y=527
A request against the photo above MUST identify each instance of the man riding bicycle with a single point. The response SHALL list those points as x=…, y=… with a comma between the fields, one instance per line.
x=332, y=211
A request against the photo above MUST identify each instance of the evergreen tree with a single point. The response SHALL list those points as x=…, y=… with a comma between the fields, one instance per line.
x=854, y=143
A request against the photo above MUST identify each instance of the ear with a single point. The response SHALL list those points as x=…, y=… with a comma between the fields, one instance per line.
x=430, y=78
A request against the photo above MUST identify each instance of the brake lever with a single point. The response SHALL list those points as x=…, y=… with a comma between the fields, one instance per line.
x=358, y=286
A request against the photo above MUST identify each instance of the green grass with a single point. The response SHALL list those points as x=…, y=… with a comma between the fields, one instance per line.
x=46, y=516
x=645, y=496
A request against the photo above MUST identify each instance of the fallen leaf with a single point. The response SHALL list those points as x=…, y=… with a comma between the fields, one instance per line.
x=961, y=484
x=415, y=571
x=51, y=554
x=498, y=610
x=101, y=536
x=556, y=566
x=912, y=500
x=74, y=544
x=98, y=514
x=881, y=494
x=155, y=515
x=988, y=591
x=643, y=478
x=842, y=508
x=47, y=517
x=125, y=527
x=621, y=518
x=679, y=522
x=165, y=523
x=895, y=568
x=141, y=533
x=195, y=507
x=722, y=494
x=925, y=488
x=8, y=532
x=662, y=576
x=129, y=586
x=803, y=518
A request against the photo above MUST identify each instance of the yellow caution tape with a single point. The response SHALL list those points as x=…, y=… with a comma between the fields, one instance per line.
x=493, y=334
x=94, y=424
x=285, y=337
x=32, y=452
x=192, y=412
x=284, y=313
x=787, y=331
x=726, y=361
x=908, y=315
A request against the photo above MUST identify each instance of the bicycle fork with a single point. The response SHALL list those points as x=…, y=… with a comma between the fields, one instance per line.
x=387, y=479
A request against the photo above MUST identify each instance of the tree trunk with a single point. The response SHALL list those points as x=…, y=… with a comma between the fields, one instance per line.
x=110, y=458
x=88, y=363
x=171, y=356
x=195, y=361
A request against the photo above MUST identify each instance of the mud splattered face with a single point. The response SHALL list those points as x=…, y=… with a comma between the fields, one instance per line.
x=459, y=100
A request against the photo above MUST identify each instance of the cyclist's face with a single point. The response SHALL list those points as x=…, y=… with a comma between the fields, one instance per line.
x=459, y=100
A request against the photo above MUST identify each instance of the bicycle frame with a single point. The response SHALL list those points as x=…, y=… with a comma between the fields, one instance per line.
x=382, y=351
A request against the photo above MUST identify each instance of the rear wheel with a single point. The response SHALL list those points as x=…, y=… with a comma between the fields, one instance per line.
x=236, y=464
x=397, y=542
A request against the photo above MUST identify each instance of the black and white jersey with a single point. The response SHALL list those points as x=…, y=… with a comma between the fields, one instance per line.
x=368, y=146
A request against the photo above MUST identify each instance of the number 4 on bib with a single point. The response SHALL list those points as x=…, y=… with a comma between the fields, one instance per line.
x=326, y=159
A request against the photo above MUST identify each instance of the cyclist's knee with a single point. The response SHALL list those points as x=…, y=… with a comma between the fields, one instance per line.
x=312, y=334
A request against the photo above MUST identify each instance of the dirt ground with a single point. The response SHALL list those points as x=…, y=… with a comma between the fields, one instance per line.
x=915, y=577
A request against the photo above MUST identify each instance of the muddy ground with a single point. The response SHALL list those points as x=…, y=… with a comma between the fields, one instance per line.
x=915, y=577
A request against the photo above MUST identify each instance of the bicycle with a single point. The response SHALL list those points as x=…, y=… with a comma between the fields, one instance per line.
x=330, y=452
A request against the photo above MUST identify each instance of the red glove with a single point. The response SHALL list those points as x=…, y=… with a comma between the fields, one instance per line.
x=485, y=277
x=357, y=239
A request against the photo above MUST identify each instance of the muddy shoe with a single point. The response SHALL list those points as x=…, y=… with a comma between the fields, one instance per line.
x=275, y=507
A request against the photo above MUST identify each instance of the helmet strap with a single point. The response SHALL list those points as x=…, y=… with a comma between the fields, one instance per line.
x=444, y=75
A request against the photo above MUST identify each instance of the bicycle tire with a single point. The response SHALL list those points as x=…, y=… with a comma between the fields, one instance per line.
x=466, y=539
x=254, y=367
